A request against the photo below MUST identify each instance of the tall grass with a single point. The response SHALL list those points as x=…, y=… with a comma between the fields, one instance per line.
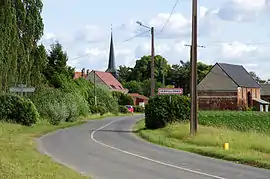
x=244, y=121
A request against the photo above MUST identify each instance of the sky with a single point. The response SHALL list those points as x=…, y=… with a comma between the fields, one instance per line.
x=231, y=31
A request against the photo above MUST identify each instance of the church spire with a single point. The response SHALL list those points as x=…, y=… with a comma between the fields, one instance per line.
x=111, y=64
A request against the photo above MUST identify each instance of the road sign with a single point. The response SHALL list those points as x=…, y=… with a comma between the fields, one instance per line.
x=170, y=91
x=22, y=89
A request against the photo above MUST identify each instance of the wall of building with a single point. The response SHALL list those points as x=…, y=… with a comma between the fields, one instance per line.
x=209, y=100
x=98, y=80
x=242, y=95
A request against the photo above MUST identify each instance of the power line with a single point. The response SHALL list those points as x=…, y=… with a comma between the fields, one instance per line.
x=169, y=16
x=137, y=35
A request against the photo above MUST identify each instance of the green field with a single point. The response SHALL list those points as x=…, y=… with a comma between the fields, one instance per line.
x=20, y=157
x=246, y=132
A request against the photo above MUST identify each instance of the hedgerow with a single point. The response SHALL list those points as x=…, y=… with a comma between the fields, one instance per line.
x=163, y=109
x=18, y=110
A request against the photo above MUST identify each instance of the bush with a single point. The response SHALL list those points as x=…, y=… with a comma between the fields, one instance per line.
x=97, y=110
x=139, y=109
x=105, y=100
x=161, y=110
x=59, y=106
x=123, y=99
x=18, y=110
x=123, y=109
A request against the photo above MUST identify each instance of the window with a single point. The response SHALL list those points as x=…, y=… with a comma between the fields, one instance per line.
x=113, y=86
x=120, y=87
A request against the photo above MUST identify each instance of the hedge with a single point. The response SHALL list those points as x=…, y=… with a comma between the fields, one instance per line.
x=17, y=109
x=163, y=109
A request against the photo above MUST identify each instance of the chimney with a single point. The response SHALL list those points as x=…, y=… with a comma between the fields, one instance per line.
x=83, y=70
x=87, y=72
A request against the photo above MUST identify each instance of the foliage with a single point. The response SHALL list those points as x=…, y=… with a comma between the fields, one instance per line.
x=99, y=109
x=139, y=109
x=237, y=120
x=123, y=109
x=123, y=99
x=58, y=106
x=164, y=109
x=18, y=110
x=104, y=98
x=137, y=79
x=57, y=68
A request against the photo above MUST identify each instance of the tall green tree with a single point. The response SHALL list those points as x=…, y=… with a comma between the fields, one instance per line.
x=8, y=44
x=142, y=68
x=57, y=69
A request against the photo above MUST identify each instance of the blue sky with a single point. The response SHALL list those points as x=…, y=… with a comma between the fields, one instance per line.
x=233, y=31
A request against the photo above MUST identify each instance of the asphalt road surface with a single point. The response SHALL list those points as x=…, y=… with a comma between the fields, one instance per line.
x=107, y=149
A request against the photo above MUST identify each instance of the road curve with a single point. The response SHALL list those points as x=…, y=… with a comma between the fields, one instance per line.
x=107, y=149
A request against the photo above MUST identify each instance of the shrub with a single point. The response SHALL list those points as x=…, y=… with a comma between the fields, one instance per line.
x=105, y=100
x=97, y=110
x=58, y=106
x=18, y=110
x=139, y=109
x=123, y=109
x=123, y=99
x=161, y=110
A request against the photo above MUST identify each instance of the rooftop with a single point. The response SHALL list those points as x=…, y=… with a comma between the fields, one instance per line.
x=239, y=75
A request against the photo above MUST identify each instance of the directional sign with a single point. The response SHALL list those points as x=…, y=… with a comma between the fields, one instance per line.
x=22, y=88
x=19, y=90
x=170, y=91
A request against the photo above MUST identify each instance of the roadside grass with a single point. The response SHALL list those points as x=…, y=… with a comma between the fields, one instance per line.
x=249, y=148
x=20, y=157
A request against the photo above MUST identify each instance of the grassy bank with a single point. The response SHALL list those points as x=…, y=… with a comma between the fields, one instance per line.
x=20, y=157
x=245, y=147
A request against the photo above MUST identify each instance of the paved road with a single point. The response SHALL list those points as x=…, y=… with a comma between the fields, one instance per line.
x=107, y=149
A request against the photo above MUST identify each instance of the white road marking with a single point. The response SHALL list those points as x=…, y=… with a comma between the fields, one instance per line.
x=146, y=158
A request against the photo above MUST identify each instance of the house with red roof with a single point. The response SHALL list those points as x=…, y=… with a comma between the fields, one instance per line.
x=106, y=79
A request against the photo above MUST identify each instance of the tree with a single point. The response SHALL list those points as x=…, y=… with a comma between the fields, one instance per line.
x=57, y=68
x=256, y=77
x=142, y=68
x=124, y=73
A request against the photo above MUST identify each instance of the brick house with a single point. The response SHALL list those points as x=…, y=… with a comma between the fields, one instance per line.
x=138, y=99
x=228, y=86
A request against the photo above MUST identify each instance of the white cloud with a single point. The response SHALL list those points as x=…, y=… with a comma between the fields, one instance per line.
x=242, y=10
x=90, y=34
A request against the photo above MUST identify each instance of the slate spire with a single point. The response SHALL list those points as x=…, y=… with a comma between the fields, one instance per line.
x=111, y=65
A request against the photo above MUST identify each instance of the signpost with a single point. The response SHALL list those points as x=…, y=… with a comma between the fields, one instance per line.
x=162, y=91
x=170, y=91
x=21, y=88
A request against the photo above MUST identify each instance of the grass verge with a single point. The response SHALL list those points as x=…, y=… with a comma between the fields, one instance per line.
x=20, y=157
x=245, y=148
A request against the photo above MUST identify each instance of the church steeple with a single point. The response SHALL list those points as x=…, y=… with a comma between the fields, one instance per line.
x=111, y=64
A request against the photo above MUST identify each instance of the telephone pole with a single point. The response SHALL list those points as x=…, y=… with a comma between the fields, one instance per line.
x=194, y=107
x=152, y=57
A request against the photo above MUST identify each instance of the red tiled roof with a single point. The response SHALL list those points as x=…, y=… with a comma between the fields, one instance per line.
x=138, y=96
x=78, y=75
x=110, y=80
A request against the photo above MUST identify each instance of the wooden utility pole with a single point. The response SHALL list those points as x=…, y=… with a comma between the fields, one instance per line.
x=152, y=63
x=194, y=109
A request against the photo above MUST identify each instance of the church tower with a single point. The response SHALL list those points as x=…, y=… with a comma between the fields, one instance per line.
x=111, y=65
